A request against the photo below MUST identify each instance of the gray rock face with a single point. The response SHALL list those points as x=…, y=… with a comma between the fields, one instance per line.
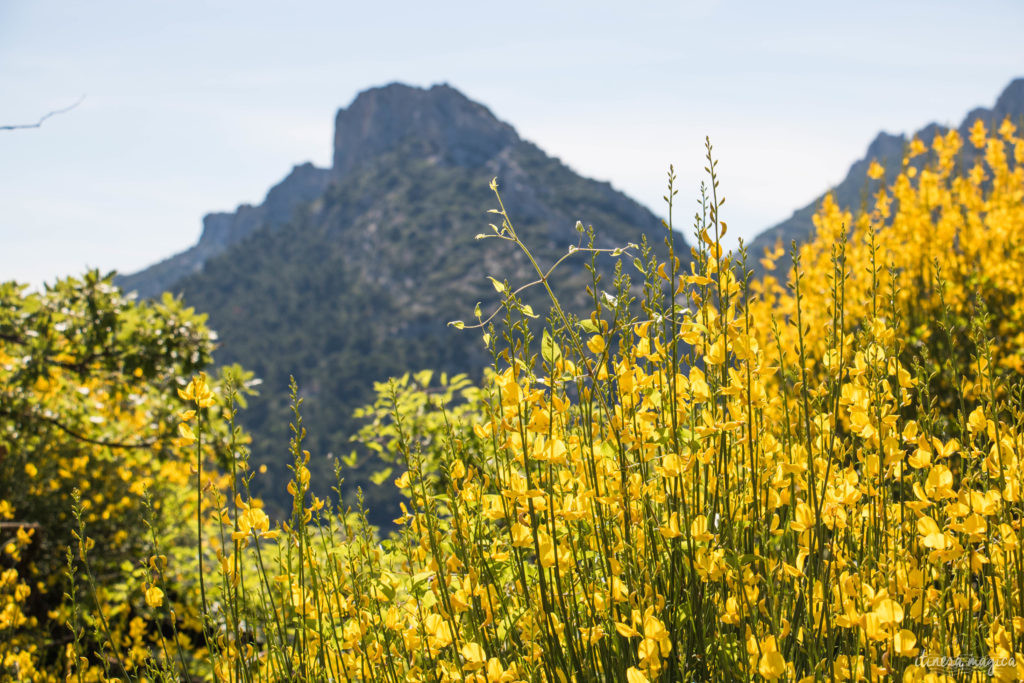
x=1011, y=101
x=440, y=121
x=304, y=184
x=887, y=149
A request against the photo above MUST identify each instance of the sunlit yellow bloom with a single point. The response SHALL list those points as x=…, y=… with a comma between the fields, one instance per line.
x=154, y=596
x=804, y=518
x=634, y=675
x=978, y=134
x=198, y=392
x=186, y=434
x=474, y=655
x=772, y=665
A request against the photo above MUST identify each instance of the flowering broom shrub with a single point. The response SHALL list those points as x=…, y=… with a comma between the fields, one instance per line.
x=711, y=477
x=88, y=436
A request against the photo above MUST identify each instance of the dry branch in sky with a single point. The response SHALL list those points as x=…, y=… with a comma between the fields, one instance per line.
x=45, y=116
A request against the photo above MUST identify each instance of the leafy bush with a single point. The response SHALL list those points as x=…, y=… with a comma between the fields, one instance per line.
x=88, y=413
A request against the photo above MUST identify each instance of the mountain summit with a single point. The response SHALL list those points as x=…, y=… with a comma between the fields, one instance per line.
x=888, y=150
x=444, y=122
x=348, y=275
x=437, y=125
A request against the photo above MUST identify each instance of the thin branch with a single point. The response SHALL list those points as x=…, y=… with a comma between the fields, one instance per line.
x=148, y=443
x=80, y=366
x=45, y=116
x=97, y=442
x=544, y=276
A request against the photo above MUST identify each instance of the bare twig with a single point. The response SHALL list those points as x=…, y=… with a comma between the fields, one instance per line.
x=97, y=442
x=45, y=116
x=82, y=437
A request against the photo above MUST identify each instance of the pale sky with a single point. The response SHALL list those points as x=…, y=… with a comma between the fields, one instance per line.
x=193, y=107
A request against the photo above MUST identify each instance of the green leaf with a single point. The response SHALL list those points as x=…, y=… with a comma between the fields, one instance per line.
x=549, y=349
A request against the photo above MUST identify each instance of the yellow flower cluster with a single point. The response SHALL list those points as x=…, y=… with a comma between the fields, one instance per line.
x=85, y=415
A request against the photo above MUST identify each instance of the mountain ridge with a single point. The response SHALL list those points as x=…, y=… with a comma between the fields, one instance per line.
x=303, y=184
x=450, y=128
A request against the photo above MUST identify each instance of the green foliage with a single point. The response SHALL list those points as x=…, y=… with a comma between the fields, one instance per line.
x=88, y=404
x=409, y=412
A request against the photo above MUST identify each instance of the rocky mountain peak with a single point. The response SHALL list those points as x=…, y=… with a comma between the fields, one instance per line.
x=305, y=183
x=886, y=146
x=439, y=121
x=439, y=132
x=1011, y=100
x=1010, y=103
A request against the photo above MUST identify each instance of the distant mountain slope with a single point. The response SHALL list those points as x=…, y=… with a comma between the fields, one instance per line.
x=220, y=230
x=888, y=150
x=347, y=276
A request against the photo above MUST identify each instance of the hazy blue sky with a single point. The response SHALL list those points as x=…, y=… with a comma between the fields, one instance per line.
x=193, y=107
